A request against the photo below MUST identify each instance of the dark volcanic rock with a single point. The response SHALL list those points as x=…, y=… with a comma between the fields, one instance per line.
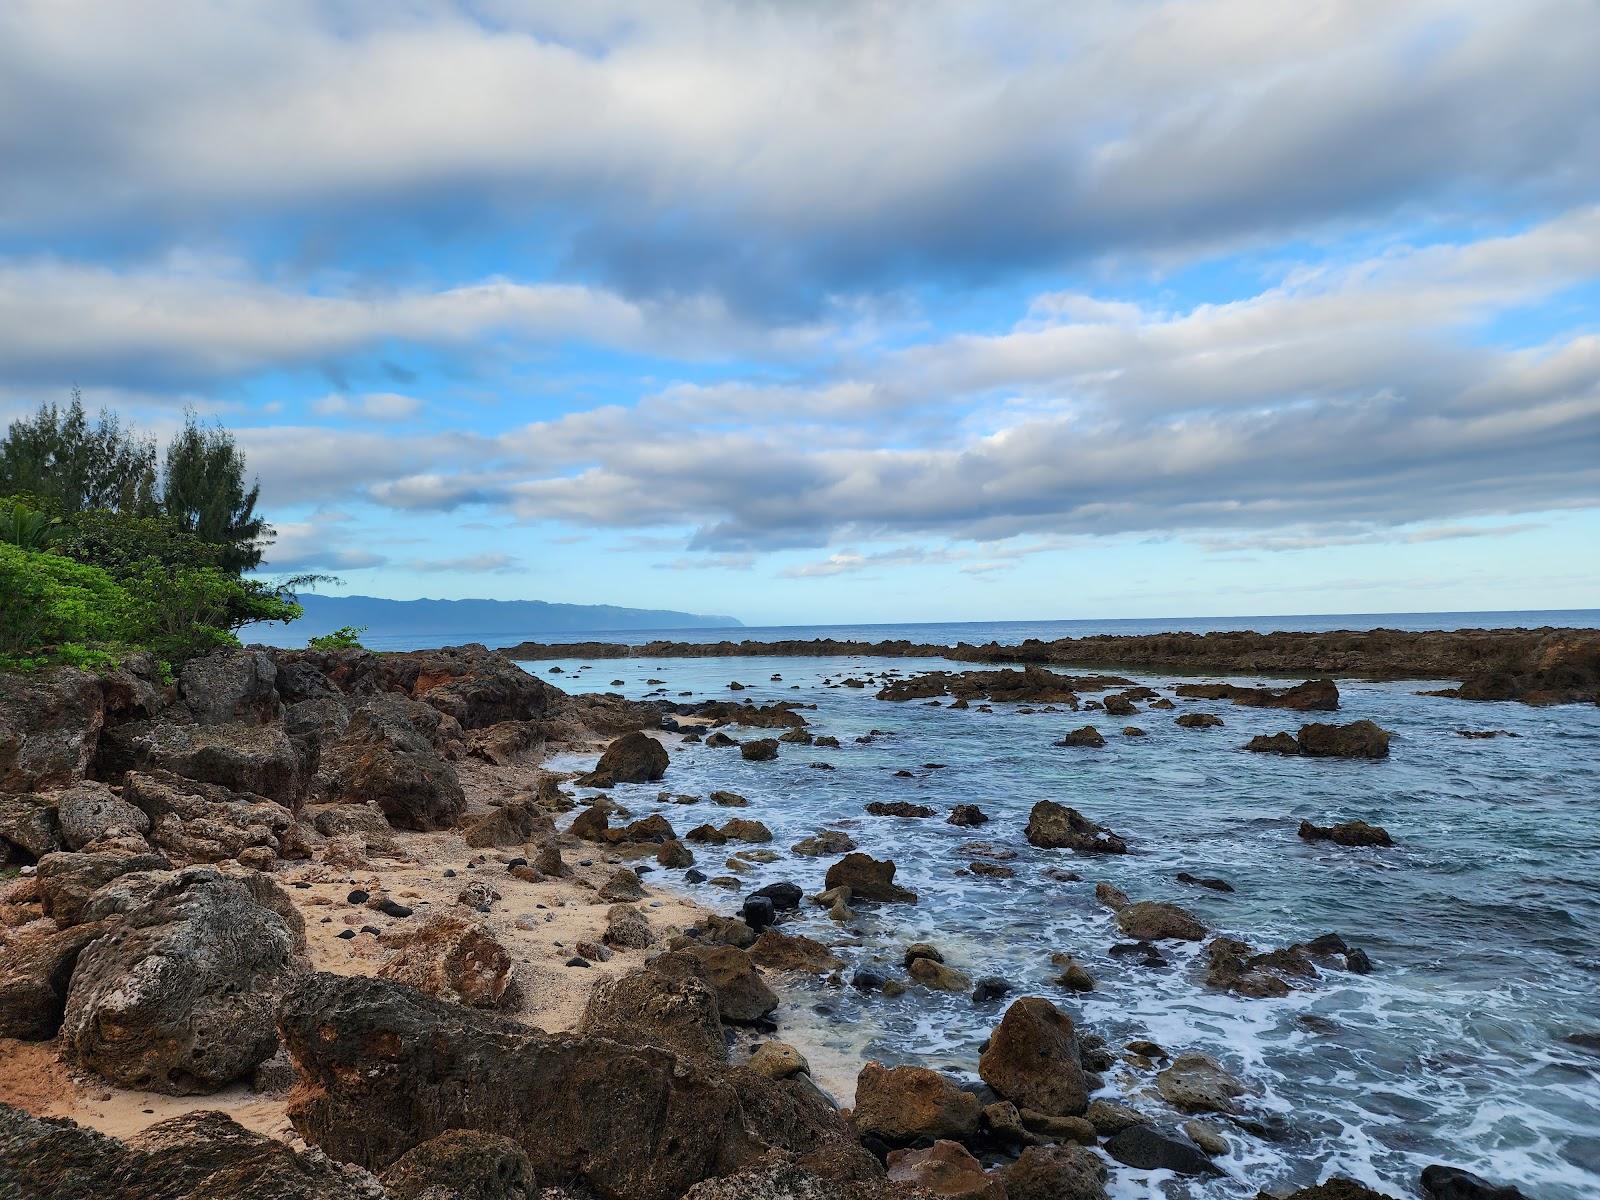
x=742, y=995
x=385, y=1069
x=967, y=816
x=1359, y=739
x=1440, y=1182
x=1056, y=1173
x=649, y=1008
x=867, y=878
x=463, y=1164
x=898, y=808
x=1156, y=920
x=759, y=750
x=1088, y=735
x=1346, y=833
x=633, y=758
x=1053, y=826
x=195, y=822
x=1151, y=1148
x=49, y=725
x=386, y=758
x=1314, y=695
x=231, y=685
x=35, y=970
x=902, y=1105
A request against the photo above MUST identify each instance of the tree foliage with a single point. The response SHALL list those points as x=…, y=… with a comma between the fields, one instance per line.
x=204, y=490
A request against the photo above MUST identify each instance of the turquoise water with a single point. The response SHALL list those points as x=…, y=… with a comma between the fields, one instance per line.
x=1483, y=924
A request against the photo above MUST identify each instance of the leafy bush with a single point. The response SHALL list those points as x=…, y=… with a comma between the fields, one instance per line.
x=181, y=615
x=24, y=525
x=346, y=637
x=57, y=610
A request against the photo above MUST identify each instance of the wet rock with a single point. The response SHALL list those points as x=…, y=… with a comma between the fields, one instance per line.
x=509, y=825
x=902, y=1105
x=1053, y=826
x=649, y=1008
x=673, y=853
x=1108, y=1117
x=1152, y=1148
x=655, y=829
x=1206, y=1137
x=1312, y=695
x=791, y=952
x=633, y=758
x=592, y=825
x=740, y=829
x=1111, y=896
x=1157, y=920
x=204, y=822
x=1119, y=706
x=386, y=1068
x=945, y=1169
x=742, y=995
x=729, y=799
x=1215, y=885
x=1359, y=739
x=1198, y=721
x=1074, y=976
x=759, y=750
x=1274, y=743
x=991, y=870
x=898, y=808
x=990, y=987
x=1198, y=1083
x=935, y=974
x=180, y=997
x=1088, y=735
x=1032, y=1060
x=719, y=739
x=449, y=957
x=1132, y=731
x=463, y=1164
x=36, y=965
x=967, y=816
x=824, y=844
x=1440, y=1182
x=1338, y=1188
x=1347, y=833
x=868, y=878
x=1235, y=967
x=1056, y=1173
x=778, y=1060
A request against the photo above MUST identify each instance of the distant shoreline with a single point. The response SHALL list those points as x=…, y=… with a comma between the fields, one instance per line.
x=1538, y=666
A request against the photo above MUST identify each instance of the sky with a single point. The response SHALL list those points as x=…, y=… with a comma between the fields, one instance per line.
x=840, y=312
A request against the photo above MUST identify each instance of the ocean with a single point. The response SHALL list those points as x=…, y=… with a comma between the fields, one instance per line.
x=968, y=631
x=1464, y=1045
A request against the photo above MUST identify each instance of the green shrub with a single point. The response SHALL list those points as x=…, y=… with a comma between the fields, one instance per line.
x=23, y=525
x=183, y=614
x=346, y=637
x=57, y=610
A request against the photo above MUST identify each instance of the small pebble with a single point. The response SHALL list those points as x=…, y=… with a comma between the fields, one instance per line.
x=346, y=934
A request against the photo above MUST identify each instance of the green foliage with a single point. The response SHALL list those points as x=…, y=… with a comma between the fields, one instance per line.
x=346, y=637
x=24, y=526
x=181, y=615
x=57, y=610
x=122, y=543
x=60, y=457
x=205, y=491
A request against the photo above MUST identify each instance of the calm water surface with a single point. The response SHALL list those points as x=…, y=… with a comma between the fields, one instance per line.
x=1483, y=924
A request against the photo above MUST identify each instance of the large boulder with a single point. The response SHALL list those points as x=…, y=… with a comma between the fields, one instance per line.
x=240, y=756
x=1346, y=833
x=648, y=1008
x=1056, y=1173
x=198, y=1154
x=67, y=882
x=231, y=685
x=742, y=995
x=195, y=822
x=1198, y=1083
x=902, y=1105
x=384, y=1068
x=1053, y=826
x=633, y=758
x=49, y=725
x=36, y=965
x=867, y=878
x=509, y=825
x=1032, y=1060
x=387, y=757
x=30, y=826
x=463, y=1164
x=180, y=996
x=89, y=811
x=1152, y=1148
x=1157, y=920
x=449, y=957
x=1358, y=739
x=1440, y=1182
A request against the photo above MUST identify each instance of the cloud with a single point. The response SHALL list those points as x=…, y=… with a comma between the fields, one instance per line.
x=318, y=544
x=680, y=148
x=472, y=564
x=374, y=406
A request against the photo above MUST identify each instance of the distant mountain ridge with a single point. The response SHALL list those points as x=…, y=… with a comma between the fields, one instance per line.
x=446, y=621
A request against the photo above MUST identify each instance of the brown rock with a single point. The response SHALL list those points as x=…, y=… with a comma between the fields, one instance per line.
x=1056, y=1173
x=792, y=952
x=1032, y=1059
x=1088, y=735
x=1359, y=739
x=1053, y=826
x=648, y=1008
x=633, y=758
x=1156, y=920
x=1348, y=833
x=901, y=1105
x=867, y=878
x=945, y=1169
x=742, y=995
x=448, y=957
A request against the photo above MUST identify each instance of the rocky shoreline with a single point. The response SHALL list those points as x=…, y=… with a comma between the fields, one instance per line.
x=322, y=925
x=1535, y=666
